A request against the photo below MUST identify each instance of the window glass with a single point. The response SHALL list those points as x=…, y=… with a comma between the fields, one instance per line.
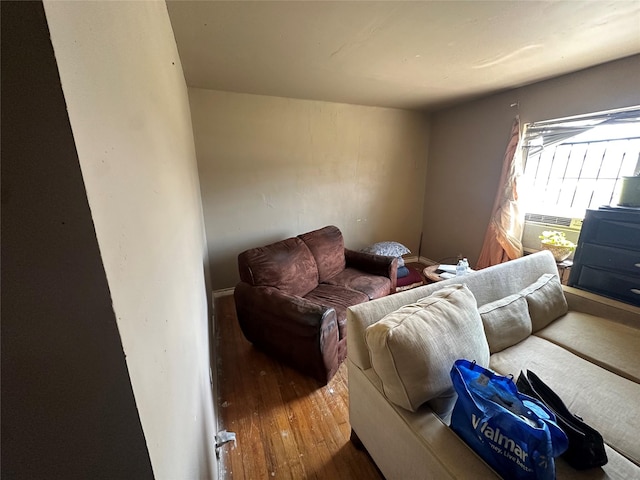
x=564, y=178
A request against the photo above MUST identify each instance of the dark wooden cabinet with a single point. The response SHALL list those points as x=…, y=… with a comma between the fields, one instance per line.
x=607, y=260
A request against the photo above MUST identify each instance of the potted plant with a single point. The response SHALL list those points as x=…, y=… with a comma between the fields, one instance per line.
x=557, y=243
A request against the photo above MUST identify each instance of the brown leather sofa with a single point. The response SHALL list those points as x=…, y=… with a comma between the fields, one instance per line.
x=293, y=296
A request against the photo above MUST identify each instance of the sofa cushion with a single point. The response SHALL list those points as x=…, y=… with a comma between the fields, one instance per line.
x=327, y=247
x=546, y=301
x=339, y=298
x=287, y=265
x=413, y=348
x=607, y=343
x=506, y=322
x=374, y=286
x=606, y=401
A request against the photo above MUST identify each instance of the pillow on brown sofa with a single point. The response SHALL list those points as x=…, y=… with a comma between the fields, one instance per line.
x=388, y=249
x=546, y=301
x=506, y=321
x=412, y=349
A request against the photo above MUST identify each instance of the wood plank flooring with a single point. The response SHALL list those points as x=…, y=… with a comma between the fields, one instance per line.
x=287, y=427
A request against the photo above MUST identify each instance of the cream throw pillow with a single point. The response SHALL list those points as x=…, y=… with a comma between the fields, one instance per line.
x=413, y=349
x=506, y=321
x=546, y=301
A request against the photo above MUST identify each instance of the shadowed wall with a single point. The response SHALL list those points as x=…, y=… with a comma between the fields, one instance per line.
x=68, y=410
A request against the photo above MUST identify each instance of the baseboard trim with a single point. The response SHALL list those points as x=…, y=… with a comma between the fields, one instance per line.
x=223, y=292
x=420, y=259
x=428, y=261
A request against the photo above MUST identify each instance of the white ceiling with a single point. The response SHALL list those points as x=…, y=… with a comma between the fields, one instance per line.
x=414, y=55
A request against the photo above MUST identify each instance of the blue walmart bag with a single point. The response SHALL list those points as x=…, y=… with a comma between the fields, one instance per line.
x=514, y=433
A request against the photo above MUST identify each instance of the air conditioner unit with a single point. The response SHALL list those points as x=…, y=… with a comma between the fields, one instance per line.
x=535, y=224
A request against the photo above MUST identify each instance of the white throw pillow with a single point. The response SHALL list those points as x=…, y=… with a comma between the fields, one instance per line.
x=506, y=321
x=413, y=349
x=388, y=249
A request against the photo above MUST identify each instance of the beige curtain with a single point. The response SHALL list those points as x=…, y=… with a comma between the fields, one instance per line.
x=503, y=240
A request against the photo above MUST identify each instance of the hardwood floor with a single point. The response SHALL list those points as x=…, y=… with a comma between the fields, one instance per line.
x=286, y=426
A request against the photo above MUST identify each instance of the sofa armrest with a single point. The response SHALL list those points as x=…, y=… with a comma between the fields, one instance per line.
x=587, y=302
x=298, y=332
x=374, y=264
x=407, y=445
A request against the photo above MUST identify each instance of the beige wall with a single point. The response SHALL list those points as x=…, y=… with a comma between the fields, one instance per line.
x=274, y=167
x=468, y=142
x=129, y=112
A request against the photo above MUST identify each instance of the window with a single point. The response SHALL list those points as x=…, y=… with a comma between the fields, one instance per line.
x=578, y=163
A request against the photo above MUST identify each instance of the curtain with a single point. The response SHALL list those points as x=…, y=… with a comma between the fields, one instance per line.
x=502, y=240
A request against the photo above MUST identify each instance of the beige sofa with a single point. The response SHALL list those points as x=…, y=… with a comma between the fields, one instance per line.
x=590, y=356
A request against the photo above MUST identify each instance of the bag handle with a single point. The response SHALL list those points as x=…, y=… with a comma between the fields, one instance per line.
x=559, y=440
